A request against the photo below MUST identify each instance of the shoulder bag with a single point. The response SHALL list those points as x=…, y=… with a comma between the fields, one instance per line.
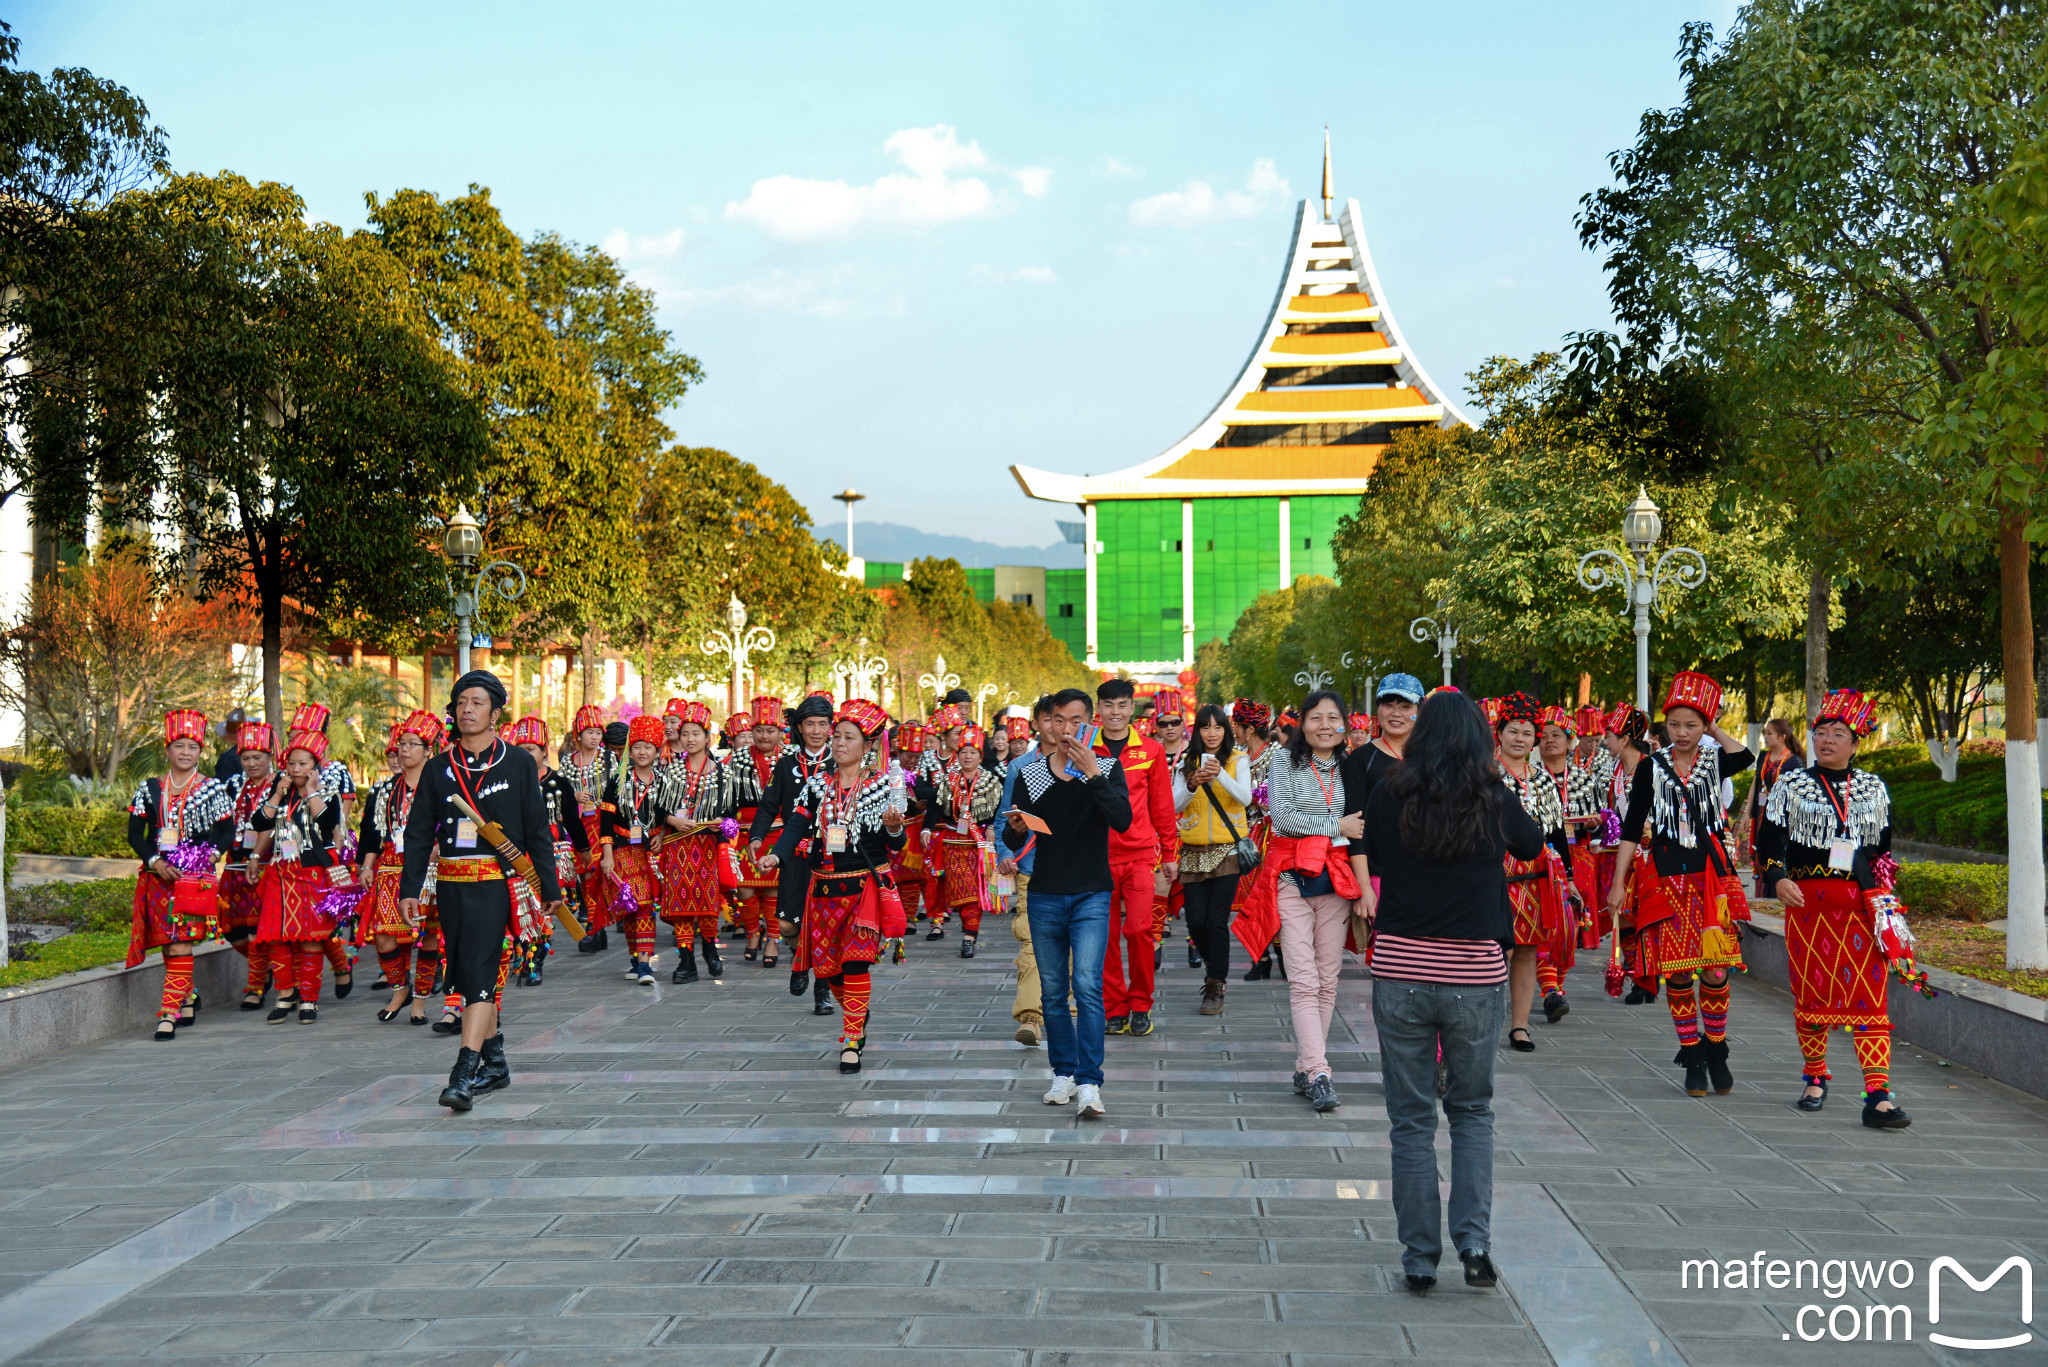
x=1246, y=848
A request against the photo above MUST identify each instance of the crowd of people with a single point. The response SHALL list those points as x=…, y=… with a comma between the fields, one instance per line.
x=1466, y=850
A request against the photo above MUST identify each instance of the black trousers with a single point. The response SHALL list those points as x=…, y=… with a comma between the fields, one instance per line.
x=473, y=921
x=1206, y=907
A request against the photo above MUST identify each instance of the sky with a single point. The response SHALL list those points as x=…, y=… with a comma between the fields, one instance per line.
x=915, y=244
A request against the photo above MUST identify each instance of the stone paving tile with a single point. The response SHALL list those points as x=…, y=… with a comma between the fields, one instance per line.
x=1089, y=1273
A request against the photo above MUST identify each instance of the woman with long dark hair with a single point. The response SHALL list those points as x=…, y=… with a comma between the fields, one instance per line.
x=1436, y=833
x=1212, y=787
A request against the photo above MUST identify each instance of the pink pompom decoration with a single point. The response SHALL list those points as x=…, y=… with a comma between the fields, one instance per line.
x=1259, y=791
x=1885, y=870
x=193, y=856
x=338, y=905
x=1610, y=826
x=626, y=903
x=728, y=828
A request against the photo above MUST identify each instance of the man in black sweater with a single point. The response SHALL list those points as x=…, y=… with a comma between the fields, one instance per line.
x=812, y=721
x=1076, y=798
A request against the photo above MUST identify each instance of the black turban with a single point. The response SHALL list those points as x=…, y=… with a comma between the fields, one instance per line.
x=490, y=683
x=813, y=706
x=957, y=695
x=615, y=734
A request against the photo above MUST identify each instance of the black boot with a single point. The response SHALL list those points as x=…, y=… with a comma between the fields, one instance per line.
x=1194, y=955
x=460, y=1093
x=821, y=998
x=1262, y=969
x=798, y=981
x=713, y=965
x=1715, y=1054
x=1694, y=1061
x=495, y=1072
x=592, y=943
x=686, y=966
x=966, y=946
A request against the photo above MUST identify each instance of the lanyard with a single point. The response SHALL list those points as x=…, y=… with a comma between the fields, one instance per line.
x=1839, y=801
x=1330, y=788
x=457, y=765
x=693, y=783
x=399, y=806
x=174, y=804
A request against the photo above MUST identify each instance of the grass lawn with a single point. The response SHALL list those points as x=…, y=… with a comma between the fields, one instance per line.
x=1974, y=951
x=88, y=949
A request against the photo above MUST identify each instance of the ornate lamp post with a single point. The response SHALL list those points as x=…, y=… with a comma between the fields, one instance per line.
x=464, y=543
x=861, y=677
x=1444, y=633
x=1315, y=678
x=981, y=696
x=738, y=643
x=938, y=681
x=1639, y=583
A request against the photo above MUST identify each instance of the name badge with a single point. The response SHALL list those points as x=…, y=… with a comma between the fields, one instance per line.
x=249, y=839
x=835, y=840
x=398, y=842
x=465, y=833
x=633, y=836
x=1841, y=855
x=166, y=838
x=287, y=844
x=587, y=808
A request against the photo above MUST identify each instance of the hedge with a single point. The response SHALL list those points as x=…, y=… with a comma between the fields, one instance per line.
x=1969, y=892
x=80, y=831
x=90, y=905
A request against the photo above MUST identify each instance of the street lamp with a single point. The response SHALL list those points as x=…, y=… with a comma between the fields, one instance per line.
x=861, y=677
x=738, y=643
x=464, y=543
x=849, y=498
x=938, y=681
x=1444, y=633
x=1361, y=666
x=982, y=695
x=1315, y=678
x=1640, y=584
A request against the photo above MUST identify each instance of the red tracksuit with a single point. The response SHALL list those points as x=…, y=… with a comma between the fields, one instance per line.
x=1151, y=843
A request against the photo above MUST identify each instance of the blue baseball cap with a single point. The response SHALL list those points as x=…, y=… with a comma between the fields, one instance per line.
x=1406, y=687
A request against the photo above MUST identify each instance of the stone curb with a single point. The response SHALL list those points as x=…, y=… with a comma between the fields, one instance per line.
x=2001, y=1033
x=43, y=1017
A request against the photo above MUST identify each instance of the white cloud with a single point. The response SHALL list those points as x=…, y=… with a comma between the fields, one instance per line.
x=806, y=294
x=1122, y=170
x=932, y=194
x=1026, y=275
x=628, y=249
x=1198, y=202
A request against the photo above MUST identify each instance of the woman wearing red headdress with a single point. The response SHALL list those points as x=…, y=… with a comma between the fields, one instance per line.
x=960, y=801
x=635, y=804
x=908, y=865
x=305, y=865
x=241, y=906
x=382, y=924
x=1537, y=888
x=700, y=797
x=1625, y=745
x=1578, y=793
x=565, y=827
x=1824, y=849
x=842, y=829
x=177, y=825
x=589, y=768
x=1687, y=897
x=753, y=773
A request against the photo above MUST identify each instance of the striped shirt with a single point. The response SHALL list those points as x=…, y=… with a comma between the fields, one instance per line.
x=1424, y=959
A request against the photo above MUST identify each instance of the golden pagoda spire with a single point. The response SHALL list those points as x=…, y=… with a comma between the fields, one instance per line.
x=1329, y=189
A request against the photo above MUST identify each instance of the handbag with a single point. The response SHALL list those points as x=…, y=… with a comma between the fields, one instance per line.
x=891, y=922
x=1247, y=849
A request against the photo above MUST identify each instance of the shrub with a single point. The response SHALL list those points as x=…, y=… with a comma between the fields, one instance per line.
x=1971, y=892
x=97, y=904
x=80, y=831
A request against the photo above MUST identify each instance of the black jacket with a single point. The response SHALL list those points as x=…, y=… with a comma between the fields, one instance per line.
x=792, y=771
x=505, y=783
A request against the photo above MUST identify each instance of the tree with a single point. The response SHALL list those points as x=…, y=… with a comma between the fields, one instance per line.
x=1929, y=640
x=1813, y=172
x=101, y=653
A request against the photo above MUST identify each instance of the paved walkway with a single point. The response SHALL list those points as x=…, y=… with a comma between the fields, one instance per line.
x=680, y=1177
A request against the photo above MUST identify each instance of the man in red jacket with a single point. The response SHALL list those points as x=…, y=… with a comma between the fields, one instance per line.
x=1141, y=859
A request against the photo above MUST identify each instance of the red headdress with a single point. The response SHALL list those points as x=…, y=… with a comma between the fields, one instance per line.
x=1690, y=688
x=868, y=716
x=1290, y=716
x=426, y=726
x=688, y=713
x=1851, y=709
x=910, y=737
x=1491, y=708
x=1167, y=703
x=1245, y=712
x=391, y=742
x=1557, y=716
x=948, y=717
x=254, y=736
x=1358, y=721
x=1630, y=723
x=768, y=711
x=529, y=731
x=646, y=727
x=1017, y=728
x=735, y=724
x=1144, y=727
x=186, y=723
x=1591, y=721
x=312, y=742
x=824, y=693
x=311, y=717
x=589, y=717
x=1516, y=707
x=972, y=737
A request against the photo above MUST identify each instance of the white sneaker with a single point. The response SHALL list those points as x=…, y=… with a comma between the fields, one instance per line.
x=1061, y=1092
x=1091, y=1101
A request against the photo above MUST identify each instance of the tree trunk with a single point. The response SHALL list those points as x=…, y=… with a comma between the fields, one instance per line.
x=646, y=669
x=1752, y=713
x=2026, y=933
x=1817, y=593
x=589, y=668
x=273, y=657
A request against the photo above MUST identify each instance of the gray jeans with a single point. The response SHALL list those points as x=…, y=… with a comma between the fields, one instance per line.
x=1412, y=1018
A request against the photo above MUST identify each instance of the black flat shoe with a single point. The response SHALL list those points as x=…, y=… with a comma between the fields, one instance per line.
x=1813, y=1103
x=415, y=1020
x=166, y=1028
x=1894, y=1119
x=1421, y=1283
x=280, y=1012
x=309, y=1014
x=391, y=1012
x=188, y=1013
x=252, y=1001
x=1555, y=1007
x=382, y=984
x=344, y=983
x=1479, y=1269
x=1637, y=996
x=1524, y=1045
x=449, y=1024
x=849, y=1060
x=936, y=933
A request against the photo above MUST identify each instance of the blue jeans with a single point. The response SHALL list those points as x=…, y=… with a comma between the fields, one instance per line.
x=1412, y=1018
x=1070, y=932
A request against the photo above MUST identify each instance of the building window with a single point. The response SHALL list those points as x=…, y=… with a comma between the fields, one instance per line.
x=1308, y=543
x=1066, y=609
x=1209, y=545
x=1021, y=599
x=1169, y=614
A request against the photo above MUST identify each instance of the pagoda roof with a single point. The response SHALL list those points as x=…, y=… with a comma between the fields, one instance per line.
x=1329, y=282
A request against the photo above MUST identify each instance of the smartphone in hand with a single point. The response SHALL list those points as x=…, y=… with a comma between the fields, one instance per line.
x=1084, y=736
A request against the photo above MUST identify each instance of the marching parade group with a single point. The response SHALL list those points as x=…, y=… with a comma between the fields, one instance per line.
x=836, y=833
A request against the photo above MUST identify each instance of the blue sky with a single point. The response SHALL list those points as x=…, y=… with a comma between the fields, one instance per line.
x=913, y=244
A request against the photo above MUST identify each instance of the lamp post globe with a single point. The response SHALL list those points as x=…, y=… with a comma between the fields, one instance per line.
x=1641, y=527
x=464, y=540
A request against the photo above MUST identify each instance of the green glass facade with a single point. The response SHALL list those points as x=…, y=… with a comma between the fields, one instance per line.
x=1312, y=525
x=983, y=582
x=882, y=573
x=1237, y=558
x=1066, y=609
x=1137, y=579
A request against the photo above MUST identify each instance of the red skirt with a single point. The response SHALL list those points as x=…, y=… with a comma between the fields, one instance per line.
x=966, y=879
x=1838, y=967
x=241, y=899
x=842, y=924
x=1684, y=922
x=689, y=877
x=1538, y=902
x=751, y=876
x=631, y=867
x=379, y=914
x=291, y=905
x=159, y=920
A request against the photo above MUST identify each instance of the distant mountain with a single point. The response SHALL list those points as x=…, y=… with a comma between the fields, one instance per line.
x=890, y=541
